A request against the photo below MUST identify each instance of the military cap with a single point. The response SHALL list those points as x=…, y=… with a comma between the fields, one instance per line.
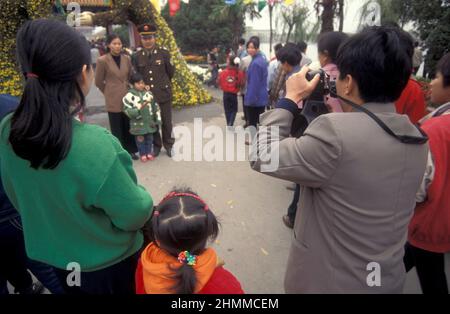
x=147, y=30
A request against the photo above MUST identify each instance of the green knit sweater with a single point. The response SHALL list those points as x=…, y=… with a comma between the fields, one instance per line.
x=88, y=210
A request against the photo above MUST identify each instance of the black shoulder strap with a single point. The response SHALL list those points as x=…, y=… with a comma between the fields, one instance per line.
x=441, y=110
x=405, y=139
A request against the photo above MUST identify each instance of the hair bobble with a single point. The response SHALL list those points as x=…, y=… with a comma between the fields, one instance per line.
x=187, y=258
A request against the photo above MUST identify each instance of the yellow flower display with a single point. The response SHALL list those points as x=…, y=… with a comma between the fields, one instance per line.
x=187, y=90
x=12, y=15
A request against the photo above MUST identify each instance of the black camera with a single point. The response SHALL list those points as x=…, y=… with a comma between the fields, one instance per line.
x=314, y=106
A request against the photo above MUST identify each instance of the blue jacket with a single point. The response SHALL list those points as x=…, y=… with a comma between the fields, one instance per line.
x=7, y=211
x=257, y=73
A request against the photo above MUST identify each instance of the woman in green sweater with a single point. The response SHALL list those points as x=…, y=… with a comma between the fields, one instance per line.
x=72, y=183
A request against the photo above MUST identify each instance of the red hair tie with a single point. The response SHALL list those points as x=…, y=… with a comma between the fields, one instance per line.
x=32, y=75
x=175, y=194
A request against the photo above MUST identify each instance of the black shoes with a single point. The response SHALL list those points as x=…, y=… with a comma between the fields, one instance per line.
x=156, y=152
x=134, y=156
x=35, y=288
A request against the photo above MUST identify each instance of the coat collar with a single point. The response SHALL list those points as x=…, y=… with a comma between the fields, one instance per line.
x=380, y=107
x=120, y=73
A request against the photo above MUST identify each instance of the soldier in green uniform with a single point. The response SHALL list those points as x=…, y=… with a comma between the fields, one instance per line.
x=154, y=64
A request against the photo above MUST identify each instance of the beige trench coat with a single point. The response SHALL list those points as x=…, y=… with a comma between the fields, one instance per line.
x=112, y=81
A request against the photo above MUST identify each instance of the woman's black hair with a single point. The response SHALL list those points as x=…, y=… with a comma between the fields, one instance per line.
x=255, y=41
x=380, y=61
x=136, y=78
x=184, y=224
x=330, y=42
x=109, y=40
x=302, y=46
x=277, y=47
x=444, y=68
x=51, y=55
x=290, y=54
x=232, y=63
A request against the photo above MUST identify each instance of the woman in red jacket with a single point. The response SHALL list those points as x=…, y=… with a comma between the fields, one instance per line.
x=429, y=230
x=178, y=261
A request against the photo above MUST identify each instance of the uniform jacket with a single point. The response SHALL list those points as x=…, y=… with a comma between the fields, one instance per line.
x=157, y=70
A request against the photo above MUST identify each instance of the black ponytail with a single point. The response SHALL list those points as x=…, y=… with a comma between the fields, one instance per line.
x=185, y=279
x=52, y=56
x=184, y=224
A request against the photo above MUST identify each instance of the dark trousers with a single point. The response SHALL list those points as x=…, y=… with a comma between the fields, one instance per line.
x=230, y=104
x=253, y=115
x=120, y=128
x=14, y=262
x=292, y=210
x=244, y=109
x=430, y=269
x=144, y=144
x=116, y=279
x=214, y=76
x=166, y=128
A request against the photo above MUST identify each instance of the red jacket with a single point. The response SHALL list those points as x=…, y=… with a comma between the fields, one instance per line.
x=231, y=80
x=430, y=227
x=412, y=102
x=221, y=282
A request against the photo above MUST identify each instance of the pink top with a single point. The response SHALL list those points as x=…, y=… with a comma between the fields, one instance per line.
x=332, y=70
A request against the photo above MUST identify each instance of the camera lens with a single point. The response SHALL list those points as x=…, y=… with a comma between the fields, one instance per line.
x=333, y=88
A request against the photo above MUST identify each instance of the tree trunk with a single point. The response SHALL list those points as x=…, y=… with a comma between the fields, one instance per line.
x=327, y=16
x=271, y=33
x=341, y=15
x=237, y=33
x=291, y=27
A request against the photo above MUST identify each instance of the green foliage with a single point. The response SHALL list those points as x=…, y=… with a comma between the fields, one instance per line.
x=124, y=34
x=234, y=16
x=296, y=25
x=194, y=31
x=432, y=19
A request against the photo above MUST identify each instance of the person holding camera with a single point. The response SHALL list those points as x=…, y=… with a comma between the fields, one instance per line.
x=359, y=170
x=328, y=46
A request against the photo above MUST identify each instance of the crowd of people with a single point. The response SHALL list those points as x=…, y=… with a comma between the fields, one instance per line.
x=369, y=180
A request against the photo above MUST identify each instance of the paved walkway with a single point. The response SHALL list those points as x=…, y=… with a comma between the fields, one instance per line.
x=253, y=240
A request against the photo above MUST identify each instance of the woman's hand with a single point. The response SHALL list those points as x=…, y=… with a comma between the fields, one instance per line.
x=298, y=87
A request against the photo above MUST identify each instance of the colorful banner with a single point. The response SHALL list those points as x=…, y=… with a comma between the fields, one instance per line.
x=174, y=6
